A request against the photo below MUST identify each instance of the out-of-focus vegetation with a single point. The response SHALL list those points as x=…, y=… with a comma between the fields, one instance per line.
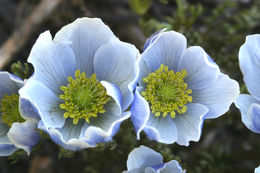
x=219, y=26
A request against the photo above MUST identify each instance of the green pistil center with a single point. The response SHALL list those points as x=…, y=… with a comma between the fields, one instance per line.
x=10, y=109
x=83, y=97
x=167, y=92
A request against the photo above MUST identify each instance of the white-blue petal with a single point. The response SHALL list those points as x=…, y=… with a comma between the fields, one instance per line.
x=249, y=61
x=257, y=170
x=140, y=113
x=52, y=62
x=201, y=71
x=103, y=128
x=7, y=149
x=3, y=133
x=9, y=84
x=218, y=96
x=56, y=136
x=114, y=92
x=86, y=35
x=161, y=129
x=45, y=102
x=254, y=115
x=143, y=71
x=24, y=135
x=70, y=130
x=143, y=157
x=150, y=170
x=6, y=146
x=27, y=110
x=189, y=125
x=115, y=62
x=136, y=170
x=172, y=167
x=167, y=49
x=152, y=38
x=243, y=103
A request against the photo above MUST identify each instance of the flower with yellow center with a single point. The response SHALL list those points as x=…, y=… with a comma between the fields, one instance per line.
x=10, y=109
x=178, y=88
x=166, y=92
x=83, y=97
x=18, y=120
x=83, y=83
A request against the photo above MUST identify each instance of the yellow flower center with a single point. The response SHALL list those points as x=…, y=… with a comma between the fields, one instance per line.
x=166, y=92
x=83, y=97
x=10, y=109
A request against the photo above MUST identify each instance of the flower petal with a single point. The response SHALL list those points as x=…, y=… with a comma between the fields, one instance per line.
x=243, y=103
x=254, y=115
x=70, y=130
x=6, y=147
x=218, y=96
x=166, y=49
x=52, y=62
x=9, y=84
x=172, y=167
x=45, y=102
x=136, y=170
x=152, y=38
x=202, y=71
x=24, y=135
x=161, y=129
x=143, y=157
x=150, y=170
x=115, y=62
x=86, y=35
x=72, y=144
x=27, y=110
x=189, y=125
x=84, y=135
x=114, y=92
x=257, y=170
x=249, y=61
x=103, y=128
x=140, y=113
x=144, y=71
x=3, y=133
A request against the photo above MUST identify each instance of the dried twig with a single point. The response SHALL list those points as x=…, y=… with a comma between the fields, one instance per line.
x=20, y=36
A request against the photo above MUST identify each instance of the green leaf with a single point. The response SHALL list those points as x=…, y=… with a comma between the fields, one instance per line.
x=21, y=70
x=140, y=7
x=163, y=1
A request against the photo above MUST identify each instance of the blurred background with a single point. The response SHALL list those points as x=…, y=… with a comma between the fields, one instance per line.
x=219, y=26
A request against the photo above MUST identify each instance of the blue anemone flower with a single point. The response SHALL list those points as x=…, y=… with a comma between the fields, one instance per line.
x=249, y=61
x=18, y=120
x=146, y=160
x=83, y=82
x=178, y=88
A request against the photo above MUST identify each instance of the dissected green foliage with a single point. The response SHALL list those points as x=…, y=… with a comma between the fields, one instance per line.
x=21, y=70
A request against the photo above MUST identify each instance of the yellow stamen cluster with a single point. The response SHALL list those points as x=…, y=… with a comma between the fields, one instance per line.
x=83, y=97
x=166, y=92
x=10, y=109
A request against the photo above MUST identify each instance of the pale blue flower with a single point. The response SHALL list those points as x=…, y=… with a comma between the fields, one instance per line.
x=146, y=160
x=18, y=120
x=178, y=88
x=257, y=170
x=249, y=61
x=83, y=64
